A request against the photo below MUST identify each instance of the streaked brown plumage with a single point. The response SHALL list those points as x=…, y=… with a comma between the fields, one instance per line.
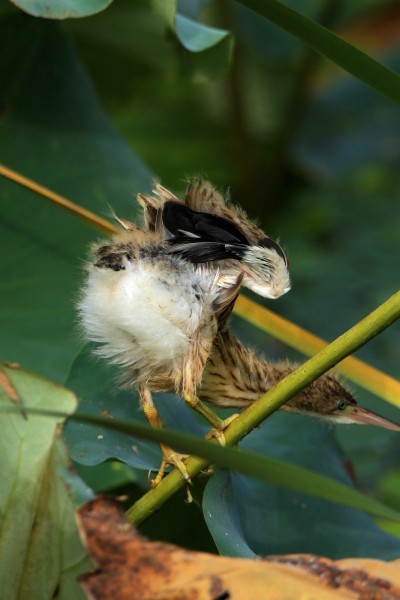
x=235, y=377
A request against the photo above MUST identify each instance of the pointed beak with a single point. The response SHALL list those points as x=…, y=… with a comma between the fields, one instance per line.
x=362, y=416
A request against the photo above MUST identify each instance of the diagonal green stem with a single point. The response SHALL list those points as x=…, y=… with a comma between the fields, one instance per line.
x=344, y=345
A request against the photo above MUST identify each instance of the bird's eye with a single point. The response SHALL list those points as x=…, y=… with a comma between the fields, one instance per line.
x=341, y=404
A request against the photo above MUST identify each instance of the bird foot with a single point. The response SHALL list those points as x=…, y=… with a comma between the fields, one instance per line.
x=218, y=432
x=170, y=457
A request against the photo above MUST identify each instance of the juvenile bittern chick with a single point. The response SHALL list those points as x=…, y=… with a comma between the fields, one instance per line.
x=205, y=228
x=235, y=377
x=156, y=315
x=155, y=298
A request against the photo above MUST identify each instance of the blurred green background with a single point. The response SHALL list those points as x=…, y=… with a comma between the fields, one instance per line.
x=96, y=107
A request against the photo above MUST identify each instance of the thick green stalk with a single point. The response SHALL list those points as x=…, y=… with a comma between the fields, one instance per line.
x=344, y=345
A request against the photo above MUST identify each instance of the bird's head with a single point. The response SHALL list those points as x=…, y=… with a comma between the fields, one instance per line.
x=327, y=399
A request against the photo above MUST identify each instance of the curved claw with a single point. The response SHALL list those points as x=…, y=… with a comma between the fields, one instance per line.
x=218, y=432
x=170, y=457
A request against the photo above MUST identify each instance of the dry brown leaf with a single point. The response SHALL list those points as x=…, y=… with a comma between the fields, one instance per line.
x=131, y=567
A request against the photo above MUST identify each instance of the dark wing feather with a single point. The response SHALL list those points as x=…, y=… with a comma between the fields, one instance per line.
x=199, y=251
x=183, y=222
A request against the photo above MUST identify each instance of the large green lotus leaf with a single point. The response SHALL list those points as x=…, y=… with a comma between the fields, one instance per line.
x=248, y=518
x=62, y=9
x=97, y=388
x=53, y=131
x=40, y=551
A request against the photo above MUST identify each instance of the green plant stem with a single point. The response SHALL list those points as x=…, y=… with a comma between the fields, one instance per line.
x=269, y=470
x=320, y=39
x=344, y=345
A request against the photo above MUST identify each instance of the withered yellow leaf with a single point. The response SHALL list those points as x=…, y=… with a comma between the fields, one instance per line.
x=131, y=567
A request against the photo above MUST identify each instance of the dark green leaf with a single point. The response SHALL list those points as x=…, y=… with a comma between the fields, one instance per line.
x=248, y=518
x=107, y=476
x=96, y=387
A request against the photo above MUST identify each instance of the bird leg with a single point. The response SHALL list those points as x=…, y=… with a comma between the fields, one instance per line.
x=218, y=425
x=197, y=355
x=170, y=457
x=218, y=433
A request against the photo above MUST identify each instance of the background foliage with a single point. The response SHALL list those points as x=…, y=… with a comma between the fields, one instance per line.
x=94, y=108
